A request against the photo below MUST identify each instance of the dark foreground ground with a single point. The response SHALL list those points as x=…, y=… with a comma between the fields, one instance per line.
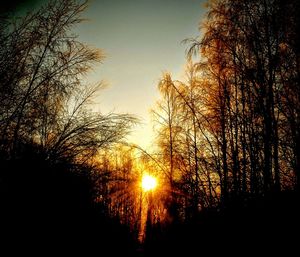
x=51, y=212
x=264, y=227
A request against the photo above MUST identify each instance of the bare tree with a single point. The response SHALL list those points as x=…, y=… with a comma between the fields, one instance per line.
x=43, y=91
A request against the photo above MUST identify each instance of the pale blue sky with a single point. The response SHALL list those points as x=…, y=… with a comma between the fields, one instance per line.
x=141, y=39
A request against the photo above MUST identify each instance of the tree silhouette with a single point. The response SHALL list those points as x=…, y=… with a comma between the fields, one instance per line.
x=42, y=89
x=49, y=137
x=232, y=111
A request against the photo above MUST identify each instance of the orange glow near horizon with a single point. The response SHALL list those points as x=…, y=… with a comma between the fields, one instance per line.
x=148, y=182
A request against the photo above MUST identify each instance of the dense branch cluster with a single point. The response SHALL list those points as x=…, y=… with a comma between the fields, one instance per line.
x=44, y=99
x=230, y=131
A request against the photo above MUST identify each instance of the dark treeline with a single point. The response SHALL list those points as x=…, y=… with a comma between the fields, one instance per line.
x=231, y=130
x=48, y=137
x=229, y=134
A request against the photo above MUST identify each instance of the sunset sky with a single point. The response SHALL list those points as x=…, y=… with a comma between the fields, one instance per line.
x=141, y=40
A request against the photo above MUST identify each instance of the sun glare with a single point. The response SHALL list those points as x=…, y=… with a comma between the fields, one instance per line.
x=148, y=182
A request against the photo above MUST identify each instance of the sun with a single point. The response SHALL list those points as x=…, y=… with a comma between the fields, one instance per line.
x=148, y=182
